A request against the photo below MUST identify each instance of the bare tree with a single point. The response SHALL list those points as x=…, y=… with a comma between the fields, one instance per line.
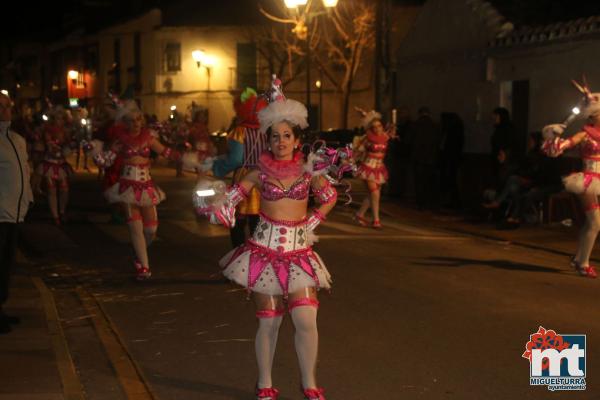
x=347, y=38
x=280, y=49
x=339, y=39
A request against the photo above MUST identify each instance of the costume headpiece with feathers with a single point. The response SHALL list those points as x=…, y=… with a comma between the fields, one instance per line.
x=281, y=109
x=591, y=101
x=368, y=117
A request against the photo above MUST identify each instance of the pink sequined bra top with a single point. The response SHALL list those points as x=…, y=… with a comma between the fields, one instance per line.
x=135, y=145
x=129, y=152
x=273, y=192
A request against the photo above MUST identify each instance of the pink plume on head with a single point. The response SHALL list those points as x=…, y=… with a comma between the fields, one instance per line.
x=275, y=92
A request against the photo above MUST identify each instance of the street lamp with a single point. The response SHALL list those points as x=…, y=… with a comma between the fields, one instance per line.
x=198, y=56
x=319, y=86
x=204, y=60
x=302, y=30
x=73, y=76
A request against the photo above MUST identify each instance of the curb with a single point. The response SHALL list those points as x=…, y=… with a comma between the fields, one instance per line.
x=485, y=236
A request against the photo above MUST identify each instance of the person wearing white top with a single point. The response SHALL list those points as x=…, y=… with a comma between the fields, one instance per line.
x=15, y=197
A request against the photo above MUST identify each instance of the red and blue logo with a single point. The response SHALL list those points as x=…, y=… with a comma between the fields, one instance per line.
x=556, y=360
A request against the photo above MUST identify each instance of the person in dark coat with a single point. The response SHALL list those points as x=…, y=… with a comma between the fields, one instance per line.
x=426, y=138
x=453, y=134
x=503, y=144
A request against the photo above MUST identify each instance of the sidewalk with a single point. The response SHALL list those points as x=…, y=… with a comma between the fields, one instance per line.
x=34, y=359
x=555, y=238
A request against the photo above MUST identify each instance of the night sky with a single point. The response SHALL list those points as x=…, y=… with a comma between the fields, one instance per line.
x=52, y=19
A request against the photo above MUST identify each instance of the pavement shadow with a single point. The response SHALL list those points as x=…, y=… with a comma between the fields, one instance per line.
x=457, y=262
x=202, y=387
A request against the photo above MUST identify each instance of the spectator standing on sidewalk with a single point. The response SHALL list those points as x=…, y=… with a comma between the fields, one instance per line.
x=15, y=196
x=425, y=155
x=503, y=144
x=453, y=141
x=397, y=155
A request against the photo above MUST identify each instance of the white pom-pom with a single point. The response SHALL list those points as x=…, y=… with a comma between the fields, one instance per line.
x=288, y=110
x=553, y=130
x=189, y=161
x=96, y=146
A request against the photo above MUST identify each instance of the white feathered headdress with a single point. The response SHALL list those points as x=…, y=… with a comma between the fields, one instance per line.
x=368, y=117
x=591, y=100
x=127, y=108
x=281, y=109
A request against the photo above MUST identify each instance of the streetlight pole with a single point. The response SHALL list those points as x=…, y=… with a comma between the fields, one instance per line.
x=306, y=17
x=308, y=86
x=319, y=85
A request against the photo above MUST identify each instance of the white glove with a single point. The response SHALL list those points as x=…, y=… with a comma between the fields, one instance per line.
x=552, y=130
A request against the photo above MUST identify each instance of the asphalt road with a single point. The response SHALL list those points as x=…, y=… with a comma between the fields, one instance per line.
x=416, y=312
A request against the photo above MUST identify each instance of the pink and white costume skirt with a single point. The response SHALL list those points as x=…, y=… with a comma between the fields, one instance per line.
x=56, y=170
x=277, y=260
x=373, y=169
x=586, y=182
x=135, y=186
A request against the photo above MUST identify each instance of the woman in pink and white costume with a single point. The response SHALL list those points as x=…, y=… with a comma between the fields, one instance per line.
x=371, y=153
x=277, y=264
x=585, y=184
x=134, y=190
x=54, y=169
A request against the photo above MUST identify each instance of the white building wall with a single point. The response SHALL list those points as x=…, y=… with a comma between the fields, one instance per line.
x=192, y=83
x=549, y=69
x=442, y=64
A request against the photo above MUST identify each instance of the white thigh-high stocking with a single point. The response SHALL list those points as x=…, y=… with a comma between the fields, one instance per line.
x=136, y=231
x=588, y=235
x=150, y=218
x=63, y=199
x=53, y=201
x=150, y=231
x=306, y=339
x=375, y=196
x=364, y=206
x=265, y=343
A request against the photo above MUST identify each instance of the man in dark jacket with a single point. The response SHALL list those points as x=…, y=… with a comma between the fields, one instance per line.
x=15, y=196
x=425, y=152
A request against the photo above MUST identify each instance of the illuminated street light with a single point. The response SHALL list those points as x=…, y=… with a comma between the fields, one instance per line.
x=73, y=75
x=198, y=56
x=302, y=28
x=204, y=60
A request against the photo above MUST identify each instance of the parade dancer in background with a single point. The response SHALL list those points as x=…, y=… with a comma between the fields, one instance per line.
x=245, y=145
x=199, y=137
x=277, y=265
x=134, y=190
x=370, y=153
x=585, y=184
x=54, y=169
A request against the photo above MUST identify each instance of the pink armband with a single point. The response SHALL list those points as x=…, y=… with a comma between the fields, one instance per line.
x=326, y=194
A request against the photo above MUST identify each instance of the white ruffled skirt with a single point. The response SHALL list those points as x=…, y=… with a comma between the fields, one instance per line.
x=135, y=186
x=277, y=260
